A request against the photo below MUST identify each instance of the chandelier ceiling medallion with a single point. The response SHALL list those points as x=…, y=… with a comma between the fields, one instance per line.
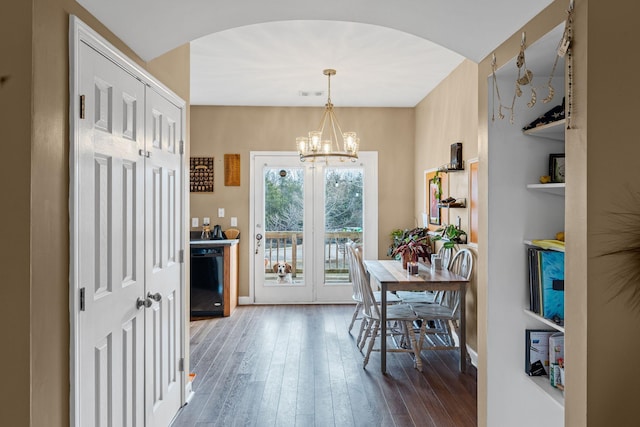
x=328, y=140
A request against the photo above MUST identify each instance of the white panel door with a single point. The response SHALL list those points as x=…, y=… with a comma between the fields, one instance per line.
x=163, y=194
x=110, y=264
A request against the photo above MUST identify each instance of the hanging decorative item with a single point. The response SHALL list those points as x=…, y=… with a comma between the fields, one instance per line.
x=566, y=49
x=525, y=75
x=496, y=93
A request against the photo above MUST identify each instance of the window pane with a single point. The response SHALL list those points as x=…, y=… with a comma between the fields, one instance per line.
x=343, y=219
x=284, y=222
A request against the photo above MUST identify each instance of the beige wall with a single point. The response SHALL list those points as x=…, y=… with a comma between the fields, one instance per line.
x=15, y=184
x=216, y=131
x=605, y=75
x=34, y=106
x=449, y=114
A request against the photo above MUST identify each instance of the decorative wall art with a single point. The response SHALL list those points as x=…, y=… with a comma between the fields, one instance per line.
x=232, y=169
x=201, y=174
x=434, y=199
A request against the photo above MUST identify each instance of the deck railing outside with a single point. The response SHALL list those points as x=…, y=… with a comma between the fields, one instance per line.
x=287, y=246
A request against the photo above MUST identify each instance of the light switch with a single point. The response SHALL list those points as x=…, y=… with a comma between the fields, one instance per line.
x=220, y=212
x=194, y=222
x=206, y=221
x=234, y=221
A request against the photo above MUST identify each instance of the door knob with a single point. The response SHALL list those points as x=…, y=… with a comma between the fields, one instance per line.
x=143, y=303
x=156, y=297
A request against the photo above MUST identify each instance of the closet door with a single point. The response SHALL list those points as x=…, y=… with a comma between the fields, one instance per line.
x=110, y=173
x=163, y=194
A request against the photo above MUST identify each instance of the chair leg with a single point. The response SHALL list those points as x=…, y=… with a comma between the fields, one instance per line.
x=421, y=335
x=356, y=312
x=374, y=334
x=414, y=345
x=365, y=327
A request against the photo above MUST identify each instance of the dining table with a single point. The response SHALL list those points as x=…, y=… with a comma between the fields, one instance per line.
x=391, y=276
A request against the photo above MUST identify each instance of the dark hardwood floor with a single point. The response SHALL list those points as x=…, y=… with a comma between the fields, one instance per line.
x=296, y=365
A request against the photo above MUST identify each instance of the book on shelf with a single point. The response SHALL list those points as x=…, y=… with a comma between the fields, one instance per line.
x=556, y=359
x=546, y=283
x=537, y=351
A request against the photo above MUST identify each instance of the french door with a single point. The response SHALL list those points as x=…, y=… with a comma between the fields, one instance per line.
x=303, y=213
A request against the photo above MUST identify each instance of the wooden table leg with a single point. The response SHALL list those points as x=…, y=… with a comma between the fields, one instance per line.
x=383, y=329
x=463, y=327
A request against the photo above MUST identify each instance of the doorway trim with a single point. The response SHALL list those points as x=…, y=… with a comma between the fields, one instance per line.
x=79, y=33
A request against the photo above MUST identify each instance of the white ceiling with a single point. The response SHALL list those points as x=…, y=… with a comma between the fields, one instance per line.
x=256, y=52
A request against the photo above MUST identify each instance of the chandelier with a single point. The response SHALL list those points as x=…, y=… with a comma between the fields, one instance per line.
x=328, y=140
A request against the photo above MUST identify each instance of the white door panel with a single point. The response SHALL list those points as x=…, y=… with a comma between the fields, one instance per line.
x=111, y=244
x=291, y=244
x=163, y=269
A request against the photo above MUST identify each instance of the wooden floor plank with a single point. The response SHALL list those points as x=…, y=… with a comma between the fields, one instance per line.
x=297, y=365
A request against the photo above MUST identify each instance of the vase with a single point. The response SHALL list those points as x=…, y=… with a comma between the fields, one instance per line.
x=405, y=260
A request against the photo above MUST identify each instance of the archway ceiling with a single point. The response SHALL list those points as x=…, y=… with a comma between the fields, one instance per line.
x=256, y=52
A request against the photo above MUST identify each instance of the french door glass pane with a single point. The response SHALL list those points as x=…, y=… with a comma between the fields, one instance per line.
x=343, y=215
x=284, y=222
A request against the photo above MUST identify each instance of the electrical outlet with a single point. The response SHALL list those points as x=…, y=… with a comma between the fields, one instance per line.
x=206, y=220
x=194, y=222
x=234, y=221
x=220, y=212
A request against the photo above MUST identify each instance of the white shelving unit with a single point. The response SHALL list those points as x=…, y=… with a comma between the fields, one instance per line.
x=556, y=188
x=556, y=395
x=547, y=322
x=554, y=130
x=519, y=208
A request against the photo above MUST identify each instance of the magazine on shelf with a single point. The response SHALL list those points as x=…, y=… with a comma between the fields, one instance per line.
x=537, y=351
x=546, y=283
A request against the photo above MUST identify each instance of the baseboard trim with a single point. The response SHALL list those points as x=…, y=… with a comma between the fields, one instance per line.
x=245, y=301
x=473, y=356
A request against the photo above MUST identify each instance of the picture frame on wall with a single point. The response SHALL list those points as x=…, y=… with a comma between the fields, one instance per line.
x=556, y=167
x=201, y=175
x=434, y=209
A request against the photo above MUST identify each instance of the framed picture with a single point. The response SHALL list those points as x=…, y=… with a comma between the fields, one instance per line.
x=201, y=174
x=556, y=167
x=434, y=210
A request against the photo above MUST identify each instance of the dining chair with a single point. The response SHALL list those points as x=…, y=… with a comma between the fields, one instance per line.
x=354, y=257
x=400, y=316
x=428, y=296
x=439, y=319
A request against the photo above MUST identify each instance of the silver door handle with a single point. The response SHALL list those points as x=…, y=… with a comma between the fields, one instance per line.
x=156, y=297
x=143, y=303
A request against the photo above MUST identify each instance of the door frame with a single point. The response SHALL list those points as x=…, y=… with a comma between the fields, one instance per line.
x=370, y=224
x=79, y=33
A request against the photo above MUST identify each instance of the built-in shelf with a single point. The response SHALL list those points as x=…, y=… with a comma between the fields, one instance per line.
x=553, y=130
x=555, y=394
x=556, y=188
x=547, y=322
x=450, y=168
x=459, y=203
x=529, y=242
